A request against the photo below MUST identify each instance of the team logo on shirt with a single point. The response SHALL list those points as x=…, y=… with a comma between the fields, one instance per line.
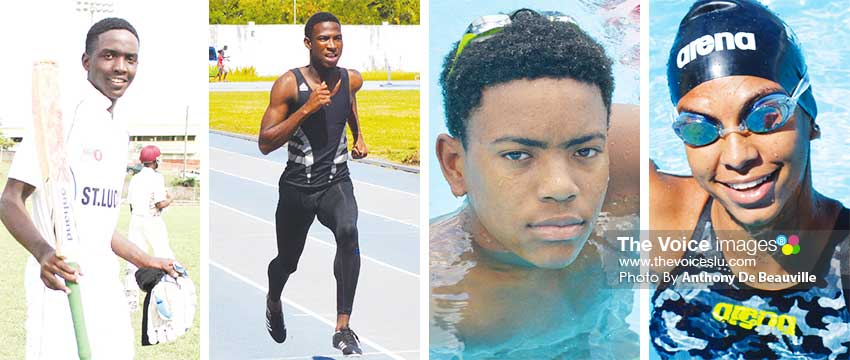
x=100, y=197
x=749, y=318
x=91, y=153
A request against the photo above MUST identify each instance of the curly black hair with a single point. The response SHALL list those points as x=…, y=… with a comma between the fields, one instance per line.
x=318, y=18
x=103, y=26
x=530, y=47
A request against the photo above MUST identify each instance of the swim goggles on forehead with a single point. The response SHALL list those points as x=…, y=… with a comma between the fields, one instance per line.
x=768, y=114
x=488, y=25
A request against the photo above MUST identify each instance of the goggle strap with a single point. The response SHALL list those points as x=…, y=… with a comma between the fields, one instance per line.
x=801, y=88
x=470, y=37
x=463, y=42
x=520, y=11
x=496, y=24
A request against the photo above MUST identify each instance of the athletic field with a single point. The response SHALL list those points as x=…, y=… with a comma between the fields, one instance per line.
x=183, y=229
x=243, y=198
x=389, y=118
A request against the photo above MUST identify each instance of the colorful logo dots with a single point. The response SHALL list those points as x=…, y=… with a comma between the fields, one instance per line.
x=790, y=245
x=794, y=241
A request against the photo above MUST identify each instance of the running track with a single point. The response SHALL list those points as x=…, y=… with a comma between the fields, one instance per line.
x=243, y=197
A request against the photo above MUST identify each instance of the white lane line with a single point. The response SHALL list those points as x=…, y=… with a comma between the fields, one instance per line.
x=332, y=246
x=303, y=309
x=356, y=181
x=275, y=187
x=307, y=315
x=332, y=356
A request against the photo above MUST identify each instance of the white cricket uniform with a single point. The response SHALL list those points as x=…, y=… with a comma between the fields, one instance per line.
x=146, y=225
x=97, y=147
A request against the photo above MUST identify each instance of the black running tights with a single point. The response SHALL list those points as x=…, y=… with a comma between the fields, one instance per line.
x=336, y=209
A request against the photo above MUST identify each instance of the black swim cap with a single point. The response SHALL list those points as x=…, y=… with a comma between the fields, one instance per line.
x=719, y=38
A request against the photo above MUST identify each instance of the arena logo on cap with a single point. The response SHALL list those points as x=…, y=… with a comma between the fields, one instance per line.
x=789, y=245
x=708, y=44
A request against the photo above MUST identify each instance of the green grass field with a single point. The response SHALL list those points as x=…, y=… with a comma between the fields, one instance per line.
x=389, y=119
x=249, y=74
x=184, y=233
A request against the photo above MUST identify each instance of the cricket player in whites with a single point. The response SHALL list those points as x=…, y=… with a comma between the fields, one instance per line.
x=148, y=197
x=96, y=149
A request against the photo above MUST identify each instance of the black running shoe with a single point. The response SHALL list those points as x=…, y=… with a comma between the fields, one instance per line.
x=274, y=323
x=346, y=340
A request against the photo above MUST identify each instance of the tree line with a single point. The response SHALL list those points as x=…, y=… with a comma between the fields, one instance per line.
x=360, y=12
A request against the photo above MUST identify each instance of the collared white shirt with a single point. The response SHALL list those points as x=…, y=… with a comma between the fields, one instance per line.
x=145, y=190
x=97, y=145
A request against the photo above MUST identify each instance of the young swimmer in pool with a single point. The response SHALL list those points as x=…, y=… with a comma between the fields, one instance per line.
x=528, y=104
x=747, y=116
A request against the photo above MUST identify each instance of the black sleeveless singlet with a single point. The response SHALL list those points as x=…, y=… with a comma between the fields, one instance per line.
x=318, y=149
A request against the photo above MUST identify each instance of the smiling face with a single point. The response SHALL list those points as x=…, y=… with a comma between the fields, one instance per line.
x=112, y=65
x=752, y=175
x=325, y=44
x=535, y=168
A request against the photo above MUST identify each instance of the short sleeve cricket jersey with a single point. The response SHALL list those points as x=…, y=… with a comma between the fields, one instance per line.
x=97, y=145
x=145, y=190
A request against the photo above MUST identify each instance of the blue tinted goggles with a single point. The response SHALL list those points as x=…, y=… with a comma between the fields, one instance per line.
x=768, y=114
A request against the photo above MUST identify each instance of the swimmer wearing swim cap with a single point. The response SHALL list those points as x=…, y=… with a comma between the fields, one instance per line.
x=746, y=115
x=528, y=104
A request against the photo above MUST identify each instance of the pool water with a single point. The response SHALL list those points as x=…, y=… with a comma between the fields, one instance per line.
x=820, y=27
x=561, y=316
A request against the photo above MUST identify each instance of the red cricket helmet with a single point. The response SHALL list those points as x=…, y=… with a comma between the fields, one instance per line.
x=149, y=154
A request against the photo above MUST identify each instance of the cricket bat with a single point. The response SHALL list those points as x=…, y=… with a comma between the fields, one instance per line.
x=57, y=183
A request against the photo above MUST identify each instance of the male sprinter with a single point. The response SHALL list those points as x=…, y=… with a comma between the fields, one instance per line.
x=309, y=108
x=97, y=151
